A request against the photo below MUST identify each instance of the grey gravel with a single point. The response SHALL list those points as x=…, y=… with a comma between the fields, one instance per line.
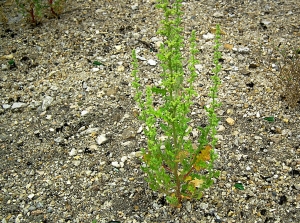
x=69, y=137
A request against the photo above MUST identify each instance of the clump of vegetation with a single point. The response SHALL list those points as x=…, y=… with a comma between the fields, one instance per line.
x=176, y=166
x=34, y=10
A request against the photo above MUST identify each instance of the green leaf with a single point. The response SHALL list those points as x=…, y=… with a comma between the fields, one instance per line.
x=159, y=91
x=97, y=63
x=239, y=186
x=94, y=221
x=11, y=62
x=269, y=119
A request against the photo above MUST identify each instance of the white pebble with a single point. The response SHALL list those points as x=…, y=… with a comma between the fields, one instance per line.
x=115, y=164
x=30, y=196
x=73, y=152
x=152, y=62
x=124, y=158
x=101, y=139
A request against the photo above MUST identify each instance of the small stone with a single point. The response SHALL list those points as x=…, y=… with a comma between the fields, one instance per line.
x=124, y=158
x=76, y=162
x=128, y=143
x=7, y=57
x=228, y=46
x=6, y=106
x=101, y=139
x=140, y=58
x=229, y=112
x=47, y=102
x=199, y=67
x=218, y=14
x=257, y=115
x=95, y=69
x=158, y=44
x=18, y=105
x=203, y=206
x=128, y=133
x=115, y=164
x=73, y=152
x=221, y=128
x=152, y=62
x=93, y=147
x=230, y=121
x=242, y=50
x=84, y=112
x=118, y=47
x=30, y=196
x=111, y=91
x=219, y=137
x=188, y=206
x=4, y=67
x=208, y=36
x=120, y=68
x=135, y=7
x=58, y=139
x=89, y=131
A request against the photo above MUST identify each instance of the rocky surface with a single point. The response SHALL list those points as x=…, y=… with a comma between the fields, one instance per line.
x=69, y=137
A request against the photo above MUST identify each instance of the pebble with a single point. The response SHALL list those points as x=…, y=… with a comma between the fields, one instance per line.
x=4, y=67
x=208, y=36
x=6, y=106
x=89, y=131
x=221, y=128
x=76, y=162
x=101, y=139
x=18, y=105
x=47, y=101
x=230, y=121
x=73, y=152
x=115, y=164
x=30, y=196
x=188, y=206
x=95, y=69
x=152, y=62
x=218, y=14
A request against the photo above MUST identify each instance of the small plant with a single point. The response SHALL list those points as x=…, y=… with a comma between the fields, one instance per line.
x=174, y=164
x=35, y=9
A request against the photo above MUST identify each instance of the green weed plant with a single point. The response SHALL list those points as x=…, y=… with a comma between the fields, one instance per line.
x=176, y=166
x=34, y=10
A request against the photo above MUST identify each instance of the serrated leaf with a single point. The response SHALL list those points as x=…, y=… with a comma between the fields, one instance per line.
x=97, y=63
x=269, y=119
x=239, y=186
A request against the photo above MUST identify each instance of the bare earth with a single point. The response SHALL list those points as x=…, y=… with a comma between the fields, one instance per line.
x=70, y=139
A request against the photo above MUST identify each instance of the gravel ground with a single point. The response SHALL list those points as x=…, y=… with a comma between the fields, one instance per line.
x=69, y=137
